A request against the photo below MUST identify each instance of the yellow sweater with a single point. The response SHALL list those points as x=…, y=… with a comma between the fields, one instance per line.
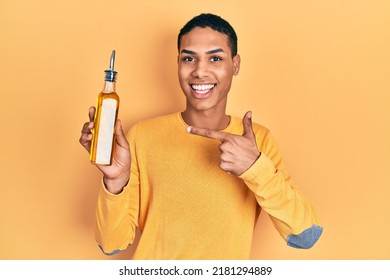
x=188, y=208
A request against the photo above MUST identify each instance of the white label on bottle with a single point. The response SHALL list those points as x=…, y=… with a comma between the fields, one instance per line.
x=106, y=131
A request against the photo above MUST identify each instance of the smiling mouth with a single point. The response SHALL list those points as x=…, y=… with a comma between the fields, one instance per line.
x=202, y=89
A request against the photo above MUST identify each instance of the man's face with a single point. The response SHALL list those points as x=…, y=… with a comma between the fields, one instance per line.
x=206, y=68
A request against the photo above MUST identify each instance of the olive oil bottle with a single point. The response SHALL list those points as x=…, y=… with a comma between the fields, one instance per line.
x=106, y=115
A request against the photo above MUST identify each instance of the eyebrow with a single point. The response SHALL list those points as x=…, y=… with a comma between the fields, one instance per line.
x=208, y=52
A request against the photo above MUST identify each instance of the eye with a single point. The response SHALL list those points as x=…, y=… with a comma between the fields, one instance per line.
x=188, y=59
x=215, y=58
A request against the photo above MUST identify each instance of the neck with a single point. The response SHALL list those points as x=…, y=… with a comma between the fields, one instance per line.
x=210, y=119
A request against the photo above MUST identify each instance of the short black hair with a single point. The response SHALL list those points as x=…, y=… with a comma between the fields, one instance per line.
x=214, y=22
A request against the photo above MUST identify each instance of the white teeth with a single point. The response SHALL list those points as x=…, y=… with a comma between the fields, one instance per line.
x=202, y=88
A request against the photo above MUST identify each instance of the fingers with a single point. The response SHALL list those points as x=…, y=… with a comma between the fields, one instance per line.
x=226, y=166
x=222, y=136
x=86, y=134
x=205, y=132
x=247, y=124
x=238, y=152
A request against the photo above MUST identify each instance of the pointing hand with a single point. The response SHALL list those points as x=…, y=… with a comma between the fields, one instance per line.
x=238, y=152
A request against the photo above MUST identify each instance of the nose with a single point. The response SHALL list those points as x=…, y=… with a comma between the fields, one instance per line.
x=201, y=69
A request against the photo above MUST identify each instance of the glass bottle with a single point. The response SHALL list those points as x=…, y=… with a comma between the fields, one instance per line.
x=106, y=115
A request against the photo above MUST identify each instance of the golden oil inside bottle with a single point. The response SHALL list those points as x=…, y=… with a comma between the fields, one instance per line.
x=103, y=140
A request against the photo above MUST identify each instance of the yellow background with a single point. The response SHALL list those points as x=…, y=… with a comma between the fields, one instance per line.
x=315, y=72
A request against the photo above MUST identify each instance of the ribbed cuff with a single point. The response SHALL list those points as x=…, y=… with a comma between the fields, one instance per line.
x=108, y=195
x=263, y=167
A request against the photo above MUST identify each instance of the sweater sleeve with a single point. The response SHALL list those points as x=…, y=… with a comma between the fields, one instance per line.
x=117, y=215
x=291, y=213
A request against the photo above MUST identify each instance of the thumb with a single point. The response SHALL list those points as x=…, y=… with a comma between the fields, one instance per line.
x=91, y=113
x=247, y=126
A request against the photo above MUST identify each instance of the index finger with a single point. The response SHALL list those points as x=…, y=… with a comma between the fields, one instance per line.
x=205, y=132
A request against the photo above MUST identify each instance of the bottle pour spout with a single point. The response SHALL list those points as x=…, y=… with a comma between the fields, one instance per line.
x=111, y=74
x=112, y=60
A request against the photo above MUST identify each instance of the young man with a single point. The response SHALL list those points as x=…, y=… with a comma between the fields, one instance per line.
x=195, y=182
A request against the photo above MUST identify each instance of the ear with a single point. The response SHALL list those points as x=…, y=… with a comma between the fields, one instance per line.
x=236, y=64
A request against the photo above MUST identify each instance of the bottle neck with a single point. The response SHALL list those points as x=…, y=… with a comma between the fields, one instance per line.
x=109, y=87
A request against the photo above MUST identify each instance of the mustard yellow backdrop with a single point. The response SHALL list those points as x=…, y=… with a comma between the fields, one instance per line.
x=315, y=72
